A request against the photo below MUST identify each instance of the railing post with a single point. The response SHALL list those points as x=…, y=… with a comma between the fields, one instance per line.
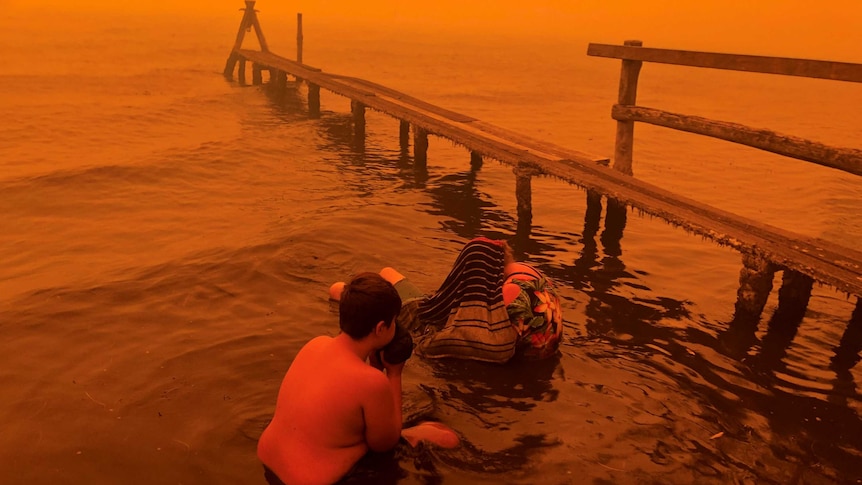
x=627, y=97
x=299, y=38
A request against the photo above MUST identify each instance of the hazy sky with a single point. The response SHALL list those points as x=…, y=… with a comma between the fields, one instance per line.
x=826, y=29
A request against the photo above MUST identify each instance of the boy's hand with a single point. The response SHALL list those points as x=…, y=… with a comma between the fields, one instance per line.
x=391, y=369
x=376, y=360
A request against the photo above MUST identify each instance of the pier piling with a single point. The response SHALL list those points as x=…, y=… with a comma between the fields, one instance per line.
x=241, y=72
x=793, y=295
x=313, y=100
x=420, y=147
x=475, y=161
x=357, y=109
x=755, y=284
x=524, y=195
x=404, y=135
x=256, y=74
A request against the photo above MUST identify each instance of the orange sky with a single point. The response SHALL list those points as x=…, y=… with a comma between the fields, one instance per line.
x=795, y=28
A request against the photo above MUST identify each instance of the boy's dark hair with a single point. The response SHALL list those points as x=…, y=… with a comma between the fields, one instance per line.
x=366, y=300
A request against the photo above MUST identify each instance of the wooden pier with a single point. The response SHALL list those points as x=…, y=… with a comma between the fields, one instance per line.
x=765, y=249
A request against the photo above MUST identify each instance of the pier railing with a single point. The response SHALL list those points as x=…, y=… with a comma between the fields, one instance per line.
x=626, y=112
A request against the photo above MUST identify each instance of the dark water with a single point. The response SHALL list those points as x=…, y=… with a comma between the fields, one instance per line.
x=168, y=238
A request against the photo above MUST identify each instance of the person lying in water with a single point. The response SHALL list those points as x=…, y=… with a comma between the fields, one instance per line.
x=489, y=308
x=333, y=407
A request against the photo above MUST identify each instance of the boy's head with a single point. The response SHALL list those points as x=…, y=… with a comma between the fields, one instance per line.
x=367, y=299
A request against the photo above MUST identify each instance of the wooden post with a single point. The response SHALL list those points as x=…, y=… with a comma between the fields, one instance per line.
x=793, y=295
x=420, y=147
x=256, y=24
x=230, y=66
x=616, y=217
x=475, y=161
x=404, y=135
x=592, y=215
x=524, y=196
x=755, y=284
x=313, y=100
x=627, y=97
x=256, y=77
x=281, y=80
x=244, y=25
x=241, y=71
x=847, y=353
x=299, y=38
x=358, y=111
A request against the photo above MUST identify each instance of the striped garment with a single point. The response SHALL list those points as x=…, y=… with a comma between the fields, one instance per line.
x=466, y=317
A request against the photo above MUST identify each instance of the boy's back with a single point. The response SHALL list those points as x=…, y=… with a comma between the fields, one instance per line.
x=318, y=431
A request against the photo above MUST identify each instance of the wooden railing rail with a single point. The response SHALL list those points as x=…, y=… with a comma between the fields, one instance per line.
x=836, y=71
x=633, y=55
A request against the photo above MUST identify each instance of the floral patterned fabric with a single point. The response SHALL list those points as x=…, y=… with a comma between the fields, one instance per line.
x=538, y=318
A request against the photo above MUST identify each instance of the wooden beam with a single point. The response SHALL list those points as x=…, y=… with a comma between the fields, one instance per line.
x=624, y=145
x=846, y=159
x=299, y=38
x=244, y=24
x=257, y=30
x=838, y=71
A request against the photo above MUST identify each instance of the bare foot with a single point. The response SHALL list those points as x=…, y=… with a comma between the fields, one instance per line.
x=431, y=432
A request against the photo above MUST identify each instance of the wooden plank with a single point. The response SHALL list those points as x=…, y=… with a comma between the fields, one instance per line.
x=846, y=159
x=838, y=71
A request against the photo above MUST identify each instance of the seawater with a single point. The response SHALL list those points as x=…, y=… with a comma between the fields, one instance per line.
x=168, y=236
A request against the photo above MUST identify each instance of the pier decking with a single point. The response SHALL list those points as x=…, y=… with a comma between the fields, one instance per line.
x=761, y=245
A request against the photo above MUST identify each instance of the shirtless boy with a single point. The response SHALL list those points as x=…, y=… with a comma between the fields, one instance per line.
x=333, y=407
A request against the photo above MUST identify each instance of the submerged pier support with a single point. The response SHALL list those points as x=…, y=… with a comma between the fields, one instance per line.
x=404, y=135
x=524, y=197
x=420, y=147
x=256, y=74
x=793, y=296
x=280, y=80
x=475, y=161
x=847, y=353
x=357, y=109
x=313, y=100
x=755, y=284
x=241, y=71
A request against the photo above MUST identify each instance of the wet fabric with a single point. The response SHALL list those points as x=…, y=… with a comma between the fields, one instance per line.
x=537, y=316
x=466, y=317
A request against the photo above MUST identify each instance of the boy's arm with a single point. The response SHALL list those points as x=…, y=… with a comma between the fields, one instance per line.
x=383, y=411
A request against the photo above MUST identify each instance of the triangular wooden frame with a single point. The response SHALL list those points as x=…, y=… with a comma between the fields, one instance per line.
x=249, y=21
